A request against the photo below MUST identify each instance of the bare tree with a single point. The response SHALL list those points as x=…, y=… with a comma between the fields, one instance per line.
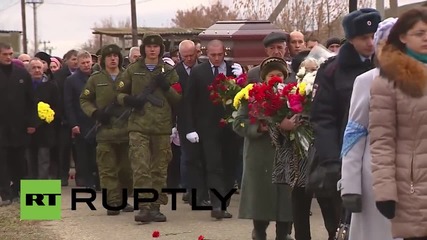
x=203, y=16
x=92, y=45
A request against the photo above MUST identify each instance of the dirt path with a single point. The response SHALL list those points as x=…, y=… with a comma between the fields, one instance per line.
x=183, y=224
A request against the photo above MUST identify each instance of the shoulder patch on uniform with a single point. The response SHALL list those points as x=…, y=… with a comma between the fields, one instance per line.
x=121, y=84
x=86, y=92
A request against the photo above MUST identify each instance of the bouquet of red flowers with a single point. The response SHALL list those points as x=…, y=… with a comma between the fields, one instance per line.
x=272, y=101
x=223, y=90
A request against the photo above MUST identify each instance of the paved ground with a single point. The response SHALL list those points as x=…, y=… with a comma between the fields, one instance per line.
x=183, y=224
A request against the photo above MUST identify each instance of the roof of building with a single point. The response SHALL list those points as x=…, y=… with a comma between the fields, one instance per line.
x=10, y=31
x=141, y=31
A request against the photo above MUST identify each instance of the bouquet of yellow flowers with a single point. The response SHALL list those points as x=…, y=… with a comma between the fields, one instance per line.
x=242, y=96
x=45, y=112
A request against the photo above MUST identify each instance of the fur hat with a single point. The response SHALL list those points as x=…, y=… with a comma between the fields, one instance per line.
x=271, y=64
x=155, y=39
x=111, y=49
x=43, y=56
x=360, y=22
x=333, y=40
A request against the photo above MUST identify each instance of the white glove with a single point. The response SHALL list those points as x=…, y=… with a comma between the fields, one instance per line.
x=174, y=131
x=237, y=69
x=193, y=137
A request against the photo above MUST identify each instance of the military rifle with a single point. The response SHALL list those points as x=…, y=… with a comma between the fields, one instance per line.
x=146, y=95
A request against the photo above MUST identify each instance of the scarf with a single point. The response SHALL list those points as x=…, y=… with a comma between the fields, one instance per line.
x=418, y=56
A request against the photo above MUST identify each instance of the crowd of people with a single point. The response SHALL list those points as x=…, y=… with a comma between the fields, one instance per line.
x=147, y=121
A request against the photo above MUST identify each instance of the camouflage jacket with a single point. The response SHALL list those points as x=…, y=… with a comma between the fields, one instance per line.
x=100, y=92
x=153, y=120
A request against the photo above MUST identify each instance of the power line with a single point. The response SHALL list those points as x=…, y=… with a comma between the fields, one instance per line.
x=94, y=5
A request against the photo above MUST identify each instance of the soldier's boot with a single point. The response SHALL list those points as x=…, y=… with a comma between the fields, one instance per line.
x=156, y=214
x=113, y=212
x=144, y=216
x=128, y=208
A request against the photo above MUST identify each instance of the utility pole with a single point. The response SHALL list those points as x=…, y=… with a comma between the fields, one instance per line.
x=45, y=48
x=24, y=27
x=277, y=10
x=380, y=7
x=352, y=5
x=35, y=4
x=134, y=24
x=393, y=8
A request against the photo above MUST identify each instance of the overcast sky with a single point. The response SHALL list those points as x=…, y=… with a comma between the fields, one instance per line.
x=67, y=23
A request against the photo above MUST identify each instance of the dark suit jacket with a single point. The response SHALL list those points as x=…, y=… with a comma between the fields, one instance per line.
x=202, y=116
x=59, y=80
x=73, y=88
x=19, y=108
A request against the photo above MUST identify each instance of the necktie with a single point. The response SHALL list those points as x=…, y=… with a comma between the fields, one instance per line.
x=367, y=61
x=216, y=71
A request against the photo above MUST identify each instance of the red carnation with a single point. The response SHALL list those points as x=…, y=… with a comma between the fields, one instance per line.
x=177, y=87
x=156, y=234
x=275, y=80
x=201, y=237
x=222, y=122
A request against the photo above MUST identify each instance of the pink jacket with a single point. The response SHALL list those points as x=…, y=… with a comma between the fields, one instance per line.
x=398, y=131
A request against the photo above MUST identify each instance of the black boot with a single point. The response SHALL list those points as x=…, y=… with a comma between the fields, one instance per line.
x=156, y=214
x=260, y=228
x=282, y=230
x=144, y=216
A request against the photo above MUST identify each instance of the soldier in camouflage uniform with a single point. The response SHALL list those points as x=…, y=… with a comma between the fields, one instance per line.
x=149, y=125
x=112, y=137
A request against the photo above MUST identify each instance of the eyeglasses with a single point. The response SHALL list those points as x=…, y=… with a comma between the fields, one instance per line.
x=418, y=34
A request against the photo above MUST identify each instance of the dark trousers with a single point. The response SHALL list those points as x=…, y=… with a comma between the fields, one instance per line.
x=65, y=149
x=183, y=165
x=86, y=162
x=38, y=162
x=260, y=228
x=12, y=168
x=301, y=204
x=220, y=155
x=174, y=176
x=332, y=210
x=417, y=238
x=195, y=168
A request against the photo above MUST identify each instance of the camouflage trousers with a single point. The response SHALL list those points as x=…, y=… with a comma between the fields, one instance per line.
x=150, y=156
x=115, y=171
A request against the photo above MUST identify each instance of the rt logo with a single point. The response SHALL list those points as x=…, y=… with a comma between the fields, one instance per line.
x=40, y=199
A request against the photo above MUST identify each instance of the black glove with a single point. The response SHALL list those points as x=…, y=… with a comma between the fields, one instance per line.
x=162, y=82
x=352, y=202
x=134, y=102
x=101, y=116
x=326, y=177
x=387, y=208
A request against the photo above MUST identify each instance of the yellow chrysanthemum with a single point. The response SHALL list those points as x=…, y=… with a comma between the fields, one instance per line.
x=301, y=88
x=45, y=112
x=242, y=94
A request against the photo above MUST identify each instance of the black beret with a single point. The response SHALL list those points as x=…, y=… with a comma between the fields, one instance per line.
x=274, y=37
x=360, y=22
x=333, y=40
x=43, y=56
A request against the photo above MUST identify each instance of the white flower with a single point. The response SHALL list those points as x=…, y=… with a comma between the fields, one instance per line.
x=301, y=72
x=280, y=86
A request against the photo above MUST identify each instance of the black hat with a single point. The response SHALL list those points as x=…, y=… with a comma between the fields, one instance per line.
x=361, y=22
x=43, y=56
x=271, y=64
x=155, y=39
x=111, y=49
x=333, y=40
x=274, y=37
